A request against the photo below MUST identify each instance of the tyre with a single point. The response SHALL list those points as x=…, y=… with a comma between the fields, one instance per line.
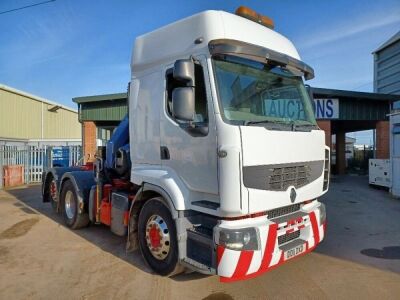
x=69, y=206
x=53, y=194
x=157, y=238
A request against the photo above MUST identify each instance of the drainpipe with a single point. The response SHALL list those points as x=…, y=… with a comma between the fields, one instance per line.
x=42, y=123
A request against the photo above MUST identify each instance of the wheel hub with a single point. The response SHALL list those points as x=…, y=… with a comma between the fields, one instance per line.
x=157, y=237
x=70, y=206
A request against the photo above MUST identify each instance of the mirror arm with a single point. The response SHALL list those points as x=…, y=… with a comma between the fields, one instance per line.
x=193, y=130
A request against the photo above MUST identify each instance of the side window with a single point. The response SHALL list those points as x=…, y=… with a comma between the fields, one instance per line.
x=200, y=93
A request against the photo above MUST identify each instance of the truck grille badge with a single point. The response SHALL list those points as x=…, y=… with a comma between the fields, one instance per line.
x=293, y=195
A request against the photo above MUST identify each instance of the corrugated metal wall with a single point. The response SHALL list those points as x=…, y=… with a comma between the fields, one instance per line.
x=61, y=124
x=387, y=69
x=356, y=110
x=104, y=110
x=22, y=117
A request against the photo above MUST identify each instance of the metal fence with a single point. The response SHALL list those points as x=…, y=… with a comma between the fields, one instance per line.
x=36, y=159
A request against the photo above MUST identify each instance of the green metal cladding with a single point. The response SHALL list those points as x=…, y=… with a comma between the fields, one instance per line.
x=111, y=107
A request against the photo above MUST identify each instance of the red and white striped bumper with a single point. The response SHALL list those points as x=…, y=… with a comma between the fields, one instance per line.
x=235, y=265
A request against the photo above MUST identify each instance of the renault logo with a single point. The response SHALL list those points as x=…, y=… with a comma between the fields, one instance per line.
x=293, y=195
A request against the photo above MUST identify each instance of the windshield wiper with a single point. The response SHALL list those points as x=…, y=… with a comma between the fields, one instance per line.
x=257, y=122
x=246, y=123
x=305, y=125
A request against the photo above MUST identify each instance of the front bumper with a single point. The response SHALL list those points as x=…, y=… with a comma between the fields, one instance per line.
x=235, y=265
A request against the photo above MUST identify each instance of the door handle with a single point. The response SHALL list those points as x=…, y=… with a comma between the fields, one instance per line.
x=164, y=153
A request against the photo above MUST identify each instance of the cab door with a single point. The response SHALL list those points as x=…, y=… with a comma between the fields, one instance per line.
x=191, y=156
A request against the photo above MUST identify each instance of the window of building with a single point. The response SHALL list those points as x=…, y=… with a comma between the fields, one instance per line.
x=103, y=135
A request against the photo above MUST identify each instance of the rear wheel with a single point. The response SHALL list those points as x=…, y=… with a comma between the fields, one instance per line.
x=70, y=207
x=53, y=195
x=157, y=237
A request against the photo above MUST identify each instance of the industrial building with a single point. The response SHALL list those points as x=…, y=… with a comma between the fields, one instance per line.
x=99, y=115
x=387, y=80
x=387, y=66
x=35, y=133
x=352, y=111
x=29, y=119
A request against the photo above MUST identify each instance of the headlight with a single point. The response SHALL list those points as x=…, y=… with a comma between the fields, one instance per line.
x=322, y=214
x=238, y=239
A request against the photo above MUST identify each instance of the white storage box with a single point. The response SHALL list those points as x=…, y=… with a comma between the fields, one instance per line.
x=379, y=172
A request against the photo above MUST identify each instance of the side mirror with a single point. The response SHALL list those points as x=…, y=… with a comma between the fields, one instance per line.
x=184, y=71
x=183, y=107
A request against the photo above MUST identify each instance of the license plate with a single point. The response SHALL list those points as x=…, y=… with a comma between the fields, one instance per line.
x=294, y=251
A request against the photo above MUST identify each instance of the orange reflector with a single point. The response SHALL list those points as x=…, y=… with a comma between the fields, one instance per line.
x=250, y=14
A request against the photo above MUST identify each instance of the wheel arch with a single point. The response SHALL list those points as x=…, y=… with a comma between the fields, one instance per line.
x=164, y=181
x=146, y=192
x=56, y=173
x=82, y=182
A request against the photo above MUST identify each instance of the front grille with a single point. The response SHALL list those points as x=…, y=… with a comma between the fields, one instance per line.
x=288, y=237
x=279, y=177
x=282, y=178
x=281, y=211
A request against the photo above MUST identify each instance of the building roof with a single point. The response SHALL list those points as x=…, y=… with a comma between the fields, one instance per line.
x=100, y=98
x=36, y=98
x=389, y=42
x=354, y=95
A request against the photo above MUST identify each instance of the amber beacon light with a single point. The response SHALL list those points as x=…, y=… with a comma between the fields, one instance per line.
x=250, y=14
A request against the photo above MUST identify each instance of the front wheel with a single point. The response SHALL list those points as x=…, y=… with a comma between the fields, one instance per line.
x=70, y=207
x=157, y=237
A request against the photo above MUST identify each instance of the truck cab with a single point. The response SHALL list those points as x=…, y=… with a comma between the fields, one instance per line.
x=226, y=159
x=222, y=122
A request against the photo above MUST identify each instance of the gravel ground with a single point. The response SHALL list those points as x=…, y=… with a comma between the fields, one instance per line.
x=41, y=259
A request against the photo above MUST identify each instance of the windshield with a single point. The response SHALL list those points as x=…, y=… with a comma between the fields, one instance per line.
x=251, y=92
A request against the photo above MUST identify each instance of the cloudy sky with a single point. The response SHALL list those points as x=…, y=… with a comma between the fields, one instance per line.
x=70, y=48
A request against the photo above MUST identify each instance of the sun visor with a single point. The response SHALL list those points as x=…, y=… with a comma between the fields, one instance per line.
x=250, y=51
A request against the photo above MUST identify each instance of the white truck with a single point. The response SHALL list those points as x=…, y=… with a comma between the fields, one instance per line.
x=224, y=162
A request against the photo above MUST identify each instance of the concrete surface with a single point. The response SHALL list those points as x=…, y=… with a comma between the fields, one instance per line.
x=41, y=259
x=363, y=224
